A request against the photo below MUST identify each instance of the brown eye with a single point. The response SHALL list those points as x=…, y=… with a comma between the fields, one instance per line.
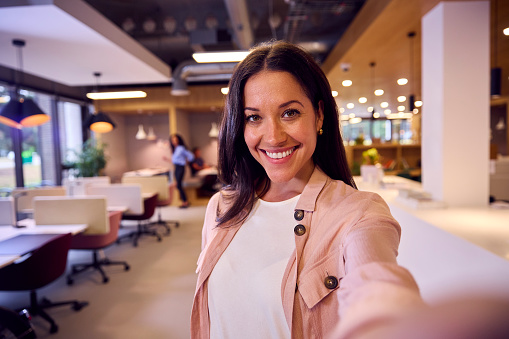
x=290, y=113
x=253, y=118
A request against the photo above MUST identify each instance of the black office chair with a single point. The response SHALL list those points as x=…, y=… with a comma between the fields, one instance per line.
x=42, y=266
x=149, y=205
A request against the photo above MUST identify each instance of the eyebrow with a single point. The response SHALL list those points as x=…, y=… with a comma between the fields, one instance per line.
x=280, y=106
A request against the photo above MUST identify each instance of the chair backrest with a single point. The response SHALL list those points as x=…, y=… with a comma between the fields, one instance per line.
x=44, y=265
x=90, y=210
x=117, y=195
x=155, y=184
x=78, y=186
x=25, y=196
x=7, y=213
x=98, y=241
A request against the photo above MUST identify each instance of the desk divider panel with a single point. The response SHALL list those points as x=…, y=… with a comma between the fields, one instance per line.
x=89, y=210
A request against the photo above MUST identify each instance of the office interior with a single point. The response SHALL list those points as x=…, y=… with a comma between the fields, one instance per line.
x=442, y=136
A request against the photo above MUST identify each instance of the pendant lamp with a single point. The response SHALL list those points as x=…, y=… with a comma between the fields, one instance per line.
x=411, y=97
x=151, y=135
x=21, y=112
x=99, y=122
x=140, y=135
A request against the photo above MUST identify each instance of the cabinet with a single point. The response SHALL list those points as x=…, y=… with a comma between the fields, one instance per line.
x=396, y=158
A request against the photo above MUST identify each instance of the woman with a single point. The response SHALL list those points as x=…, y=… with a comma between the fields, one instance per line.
x=180, y=156
x=289, y=245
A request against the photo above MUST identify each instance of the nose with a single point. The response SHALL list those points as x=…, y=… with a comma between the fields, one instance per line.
x=275, y=133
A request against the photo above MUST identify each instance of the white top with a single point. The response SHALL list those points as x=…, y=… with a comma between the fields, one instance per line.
x=244, y=288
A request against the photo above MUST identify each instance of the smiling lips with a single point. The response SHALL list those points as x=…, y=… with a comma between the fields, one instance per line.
x=280, y=155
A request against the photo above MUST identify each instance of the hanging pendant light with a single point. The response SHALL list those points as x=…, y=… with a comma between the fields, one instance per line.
x=151, y=135
x=140, y=135
x=21, y=112
x=99, y=122
x=214, y=131
x=411, y=97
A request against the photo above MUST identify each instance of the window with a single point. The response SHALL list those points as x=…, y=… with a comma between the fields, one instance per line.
x=7, y=167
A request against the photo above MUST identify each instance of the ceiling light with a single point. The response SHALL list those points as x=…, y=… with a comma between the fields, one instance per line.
x=379, y=92
x=335, y=93
x=151, y=135
x=350, y=105
x=345, y=117
x=402, y=81
x=21, y=112
x=415, y=111
x=351, y=115
x=225, y=90
x=370, y=109
x=341, y=110
x=116, y=95
x=214, y=130
x=99, y=122
x=355, y=120
x=363, y=100
x=347, y=83
x=401, y=108
x=387, y=111
x=506, y=31
x=418, y=103
x=384, y=104
x=401, y=98
x=376, y=115
x=140, y=135
x=234, y=56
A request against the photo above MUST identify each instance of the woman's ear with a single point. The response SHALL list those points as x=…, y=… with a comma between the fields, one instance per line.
x=319, y=115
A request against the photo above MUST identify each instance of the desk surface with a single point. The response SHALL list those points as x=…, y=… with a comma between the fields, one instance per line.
x=147, y=172
x=486, y=227
x=8, y=232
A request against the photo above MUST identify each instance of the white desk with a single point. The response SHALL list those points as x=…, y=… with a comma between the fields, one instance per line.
x=451, y=251
x=147, y=172
x=8, y=231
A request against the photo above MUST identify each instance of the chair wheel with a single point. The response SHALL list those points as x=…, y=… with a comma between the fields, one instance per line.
x=77, y=306
x=127, y=268
x=177, y=224
x=70, y=281
x=53, y=328
x=159, y=238
x=105, y=280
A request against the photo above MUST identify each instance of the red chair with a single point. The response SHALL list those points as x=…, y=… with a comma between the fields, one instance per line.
x=43, y=266
x=149, y=205
x=97, y=242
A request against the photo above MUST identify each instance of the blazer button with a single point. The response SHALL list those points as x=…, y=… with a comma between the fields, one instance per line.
x=298, y=215
x=299, y=230
x=331, y=282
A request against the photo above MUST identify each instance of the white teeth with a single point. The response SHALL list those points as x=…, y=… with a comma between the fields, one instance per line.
x=279, y=155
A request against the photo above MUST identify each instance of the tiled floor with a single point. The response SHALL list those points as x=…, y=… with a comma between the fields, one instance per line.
x=152, y=300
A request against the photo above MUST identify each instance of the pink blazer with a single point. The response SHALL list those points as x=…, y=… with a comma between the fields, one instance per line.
x=343, y=271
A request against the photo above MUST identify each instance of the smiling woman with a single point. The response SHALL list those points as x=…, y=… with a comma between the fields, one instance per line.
x=289, y=245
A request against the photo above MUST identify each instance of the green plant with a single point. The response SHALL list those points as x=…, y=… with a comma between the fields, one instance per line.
x=370, y=157
x=92, y=159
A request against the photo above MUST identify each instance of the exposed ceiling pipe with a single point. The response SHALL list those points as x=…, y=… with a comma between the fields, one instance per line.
x=241, y=23
x=191, y=68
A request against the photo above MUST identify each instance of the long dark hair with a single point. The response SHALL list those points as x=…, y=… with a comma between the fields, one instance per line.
x=241, y=174
x=180, y=142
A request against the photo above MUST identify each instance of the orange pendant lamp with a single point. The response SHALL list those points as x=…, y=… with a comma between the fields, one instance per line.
x=21, y=112
x=99, y=122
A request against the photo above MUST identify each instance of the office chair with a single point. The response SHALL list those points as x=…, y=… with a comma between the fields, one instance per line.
x=97, y=242
x=43, y=266
x=158, y=184
x=149, y=205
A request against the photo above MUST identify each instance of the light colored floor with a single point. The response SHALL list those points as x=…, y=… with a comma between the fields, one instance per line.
x=152, y=300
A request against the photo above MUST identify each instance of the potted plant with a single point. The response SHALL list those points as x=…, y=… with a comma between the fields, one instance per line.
x=91, y=160
x=371, y=169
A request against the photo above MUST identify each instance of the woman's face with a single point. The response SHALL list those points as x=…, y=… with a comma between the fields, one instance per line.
x=174, y=140
x=281, y=126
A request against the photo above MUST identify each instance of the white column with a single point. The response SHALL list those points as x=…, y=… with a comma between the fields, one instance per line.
x=455, y=92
